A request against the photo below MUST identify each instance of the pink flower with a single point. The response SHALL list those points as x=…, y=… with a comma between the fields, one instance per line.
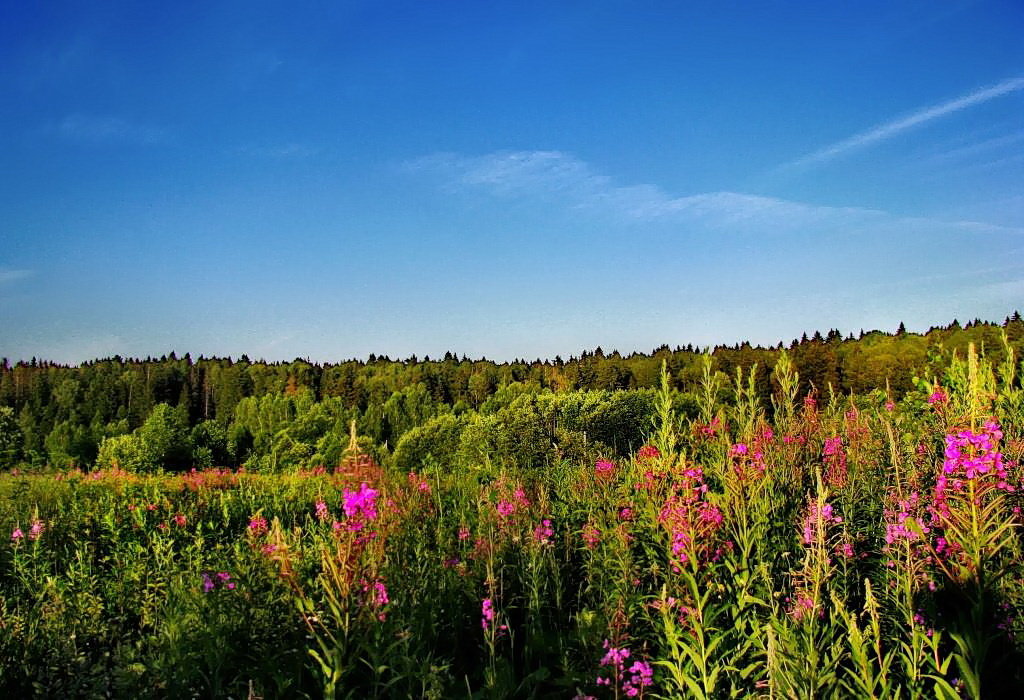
x=36, y=530
x=641, y=676
x=213, y=581
x=322, y=512
x=360, y=506
x=591, y=536
x=938, y=397
x=179, y=520
x=543, y=532
x=486, y=613
x=17, y=534
x=378, y=593
x=648, y=452
x=418, y=482
x=257, y=525
x=614, y=657
x=604, y=468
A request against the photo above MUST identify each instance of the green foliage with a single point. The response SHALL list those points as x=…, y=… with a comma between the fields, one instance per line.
x=11, y=438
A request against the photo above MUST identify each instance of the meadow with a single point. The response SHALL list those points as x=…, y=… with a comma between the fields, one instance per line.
x=815, y=544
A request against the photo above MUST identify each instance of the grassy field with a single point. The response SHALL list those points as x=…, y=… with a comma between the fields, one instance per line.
x=820, y=546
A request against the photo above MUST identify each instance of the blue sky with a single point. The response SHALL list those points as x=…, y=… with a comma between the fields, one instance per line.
x=509, y=180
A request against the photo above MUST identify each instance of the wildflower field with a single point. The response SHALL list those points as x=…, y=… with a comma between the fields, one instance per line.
x=816, y=545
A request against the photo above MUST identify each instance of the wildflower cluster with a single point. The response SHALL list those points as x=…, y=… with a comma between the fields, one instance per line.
x=647, y=452
x=816, y=522
x=217, y=580
x=747, y=462
x=834, y=457
x=510, y=505
x=543, y=533
x=632, y=679
x=690, y=520
x=34, y=532
x=489, y=617
x=604, y=469
x=360, y=507
x=972, y=455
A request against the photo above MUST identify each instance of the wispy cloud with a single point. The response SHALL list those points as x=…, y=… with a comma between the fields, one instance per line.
x=283, y=151
x=892, y=128
x=91, y=129
x=9, y=276
x=562, y=180
x=978, y=148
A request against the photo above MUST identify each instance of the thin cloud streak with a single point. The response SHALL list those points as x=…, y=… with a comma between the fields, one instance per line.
x=891, y=129
x=565, y=181
x=90, y=129
x=8, y=276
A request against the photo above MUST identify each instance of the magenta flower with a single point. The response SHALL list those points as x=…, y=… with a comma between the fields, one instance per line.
x=220, y=579
x=258, y=525
x=648, y=452
x=36, y=530
x=360, y=504
x=322, y=513
x=641, y=676
x=604, y=469
x=543, y=532
x=486, y=613
x=506, y=509
x=17, y=534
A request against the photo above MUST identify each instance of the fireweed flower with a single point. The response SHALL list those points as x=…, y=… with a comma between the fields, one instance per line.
x=614, y=659
x=647, y=452
x=690, y=521
x=975, y=455
x=488, y=615
x=639, y=676
x=376, y=596
x=834, y=458
x=543, y=533
x=258, y=525
x=322, y=512
x=36, y=530
x=214, y=580
x=748, y=463
x=418, y=482
x=604, y=469
x=360, y=506
x=591, y=536
x=506, y=509
x=938, y=397
x=179, y=520
x=17, y=534
x=818, y=518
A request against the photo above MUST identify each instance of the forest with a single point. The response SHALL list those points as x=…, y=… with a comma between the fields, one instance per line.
x=177, y=413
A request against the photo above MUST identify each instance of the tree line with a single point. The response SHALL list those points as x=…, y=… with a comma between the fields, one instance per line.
x=178, y=412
